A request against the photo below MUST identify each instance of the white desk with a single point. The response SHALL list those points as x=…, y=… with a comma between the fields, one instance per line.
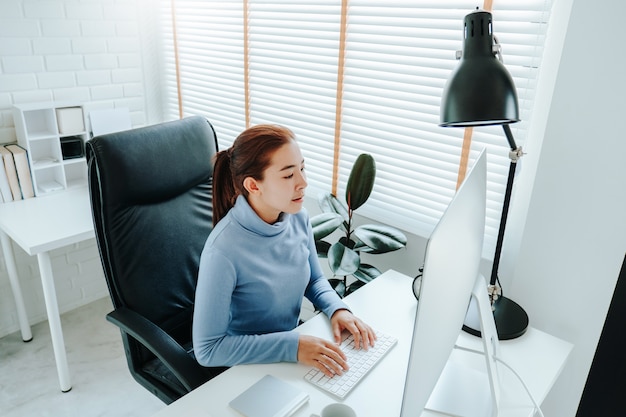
x=387, y=304
x=39, y=225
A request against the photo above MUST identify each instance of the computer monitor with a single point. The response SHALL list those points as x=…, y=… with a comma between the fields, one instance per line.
x=450, y=276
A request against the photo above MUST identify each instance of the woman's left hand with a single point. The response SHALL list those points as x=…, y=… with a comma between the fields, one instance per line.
x=364, y=335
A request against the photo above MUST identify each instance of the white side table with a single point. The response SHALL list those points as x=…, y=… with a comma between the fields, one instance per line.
x=39, y=225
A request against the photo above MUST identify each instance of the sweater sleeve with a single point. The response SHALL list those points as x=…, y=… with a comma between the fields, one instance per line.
x=319, y=291
x=213, y=346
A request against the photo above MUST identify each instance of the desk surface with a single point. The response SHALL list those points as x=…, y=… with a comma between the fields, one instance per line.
x=48, y=222
x=387, y=304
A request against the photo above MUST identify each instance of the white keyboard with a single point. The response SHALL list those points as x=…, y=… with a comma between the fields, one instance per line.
x=360, y=362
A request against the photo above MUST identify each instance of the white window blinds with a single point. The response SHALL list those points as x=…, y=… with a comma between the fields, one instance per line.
x=211, y=63
x=397, y=62
x=398, y=55
x=293, y=75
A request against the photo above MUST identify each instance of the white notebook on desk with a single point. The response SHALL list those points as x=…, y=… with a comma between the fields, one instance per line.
x=270, y=397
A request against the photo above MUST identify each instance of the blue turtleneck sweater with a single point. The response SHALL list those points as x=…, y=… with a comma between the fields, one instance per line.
x=251, y=281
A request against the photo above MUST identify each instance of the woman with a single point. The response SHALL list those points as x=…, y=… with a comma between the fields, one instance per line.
x=260, y=260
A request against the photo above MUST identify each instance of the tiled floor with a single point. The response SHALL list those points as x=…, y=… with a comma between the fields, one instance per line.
x=101, y=382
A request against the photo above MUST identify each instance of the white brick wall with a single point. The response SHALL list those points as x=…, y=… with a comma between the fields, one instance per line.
x=66, y=50
x=78, y=280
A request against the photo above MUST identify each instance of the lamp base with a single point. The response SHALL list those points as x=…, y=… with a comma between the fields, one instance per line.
x=511, y=319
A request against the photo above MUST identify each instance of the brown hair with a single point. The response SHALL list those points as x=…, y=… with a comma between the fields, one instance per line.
x=249, y=156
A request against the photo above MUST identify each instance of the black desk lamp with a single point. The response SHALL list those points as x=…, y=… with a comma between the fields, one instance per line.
x=481, y=92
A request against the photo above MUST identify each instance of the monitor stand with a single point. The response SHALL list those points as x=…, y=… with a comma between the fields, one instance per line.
x=464, y=391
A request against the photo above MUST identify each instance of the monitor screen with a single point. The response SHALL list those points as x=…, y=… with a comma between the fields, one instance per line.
x=451, y=266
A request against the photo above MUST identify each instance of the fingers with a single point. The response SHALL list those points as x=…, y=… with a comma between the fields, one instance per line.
x=371, y=336
x=332, y=361
x=336, y=332
x=322, y=354
x=364, y=335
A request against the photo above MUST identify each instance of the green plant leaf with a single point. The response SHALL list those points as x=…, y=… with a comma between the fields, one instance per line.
x=381, y=239
x=353, y=287
x=366, y=273
x=324, y=224
x=339, y=286
x=361, y=181
x=331, y=204
x=360, y=246
x=343, y=260
x=322, y=248
x=348, y=243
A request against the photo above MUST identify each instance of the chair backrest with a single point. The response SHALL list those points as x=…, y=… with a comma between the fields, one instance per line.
x=151, y=199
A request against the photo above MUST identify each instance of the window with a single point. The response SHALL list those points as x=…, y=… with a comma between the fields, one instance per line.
x=396, y=57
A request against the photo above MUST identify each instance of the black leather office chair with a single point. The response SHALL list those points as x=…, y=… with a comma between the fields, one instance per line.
x=151, y=201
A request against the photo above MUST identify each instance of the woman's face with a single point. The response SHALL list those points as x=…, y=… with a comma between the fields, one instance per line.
x=282, y=186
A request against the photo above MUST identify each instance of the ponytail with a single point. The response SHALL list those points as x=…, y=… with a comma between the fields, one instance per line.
x=249, y=156
x=224, y=193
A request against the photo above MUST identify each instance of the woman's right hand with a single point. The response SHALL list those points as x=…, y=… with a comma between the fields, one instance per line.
x=322, y=354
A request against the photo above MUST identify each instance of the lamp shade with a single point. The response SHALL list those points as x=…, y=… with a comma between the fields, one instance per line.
x=480, y=91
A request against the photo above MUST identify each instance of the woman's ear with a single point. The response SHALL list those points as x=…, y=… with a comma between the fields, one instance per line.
x=251, y=185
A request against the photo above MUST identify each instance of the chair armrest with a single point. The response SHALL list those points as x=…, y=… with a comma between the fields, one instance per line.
x=161, y=344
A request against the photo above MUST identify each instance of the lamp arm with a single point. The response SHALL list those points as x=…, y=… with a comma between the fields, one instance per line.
x=515, y=153
x=509, y=137
x=505, y=212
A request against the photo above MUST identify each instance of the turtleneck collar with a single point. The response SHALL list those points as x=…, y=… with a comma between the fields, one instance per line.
x=244, y=215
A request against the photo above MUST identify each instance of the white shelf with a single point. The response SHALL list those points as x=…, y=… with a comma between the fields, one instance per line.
x=39, y=130
x=35, y=136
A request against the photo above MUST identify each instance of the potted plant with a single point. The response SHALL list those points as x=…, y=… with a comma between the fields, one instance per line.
x=344, y=255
